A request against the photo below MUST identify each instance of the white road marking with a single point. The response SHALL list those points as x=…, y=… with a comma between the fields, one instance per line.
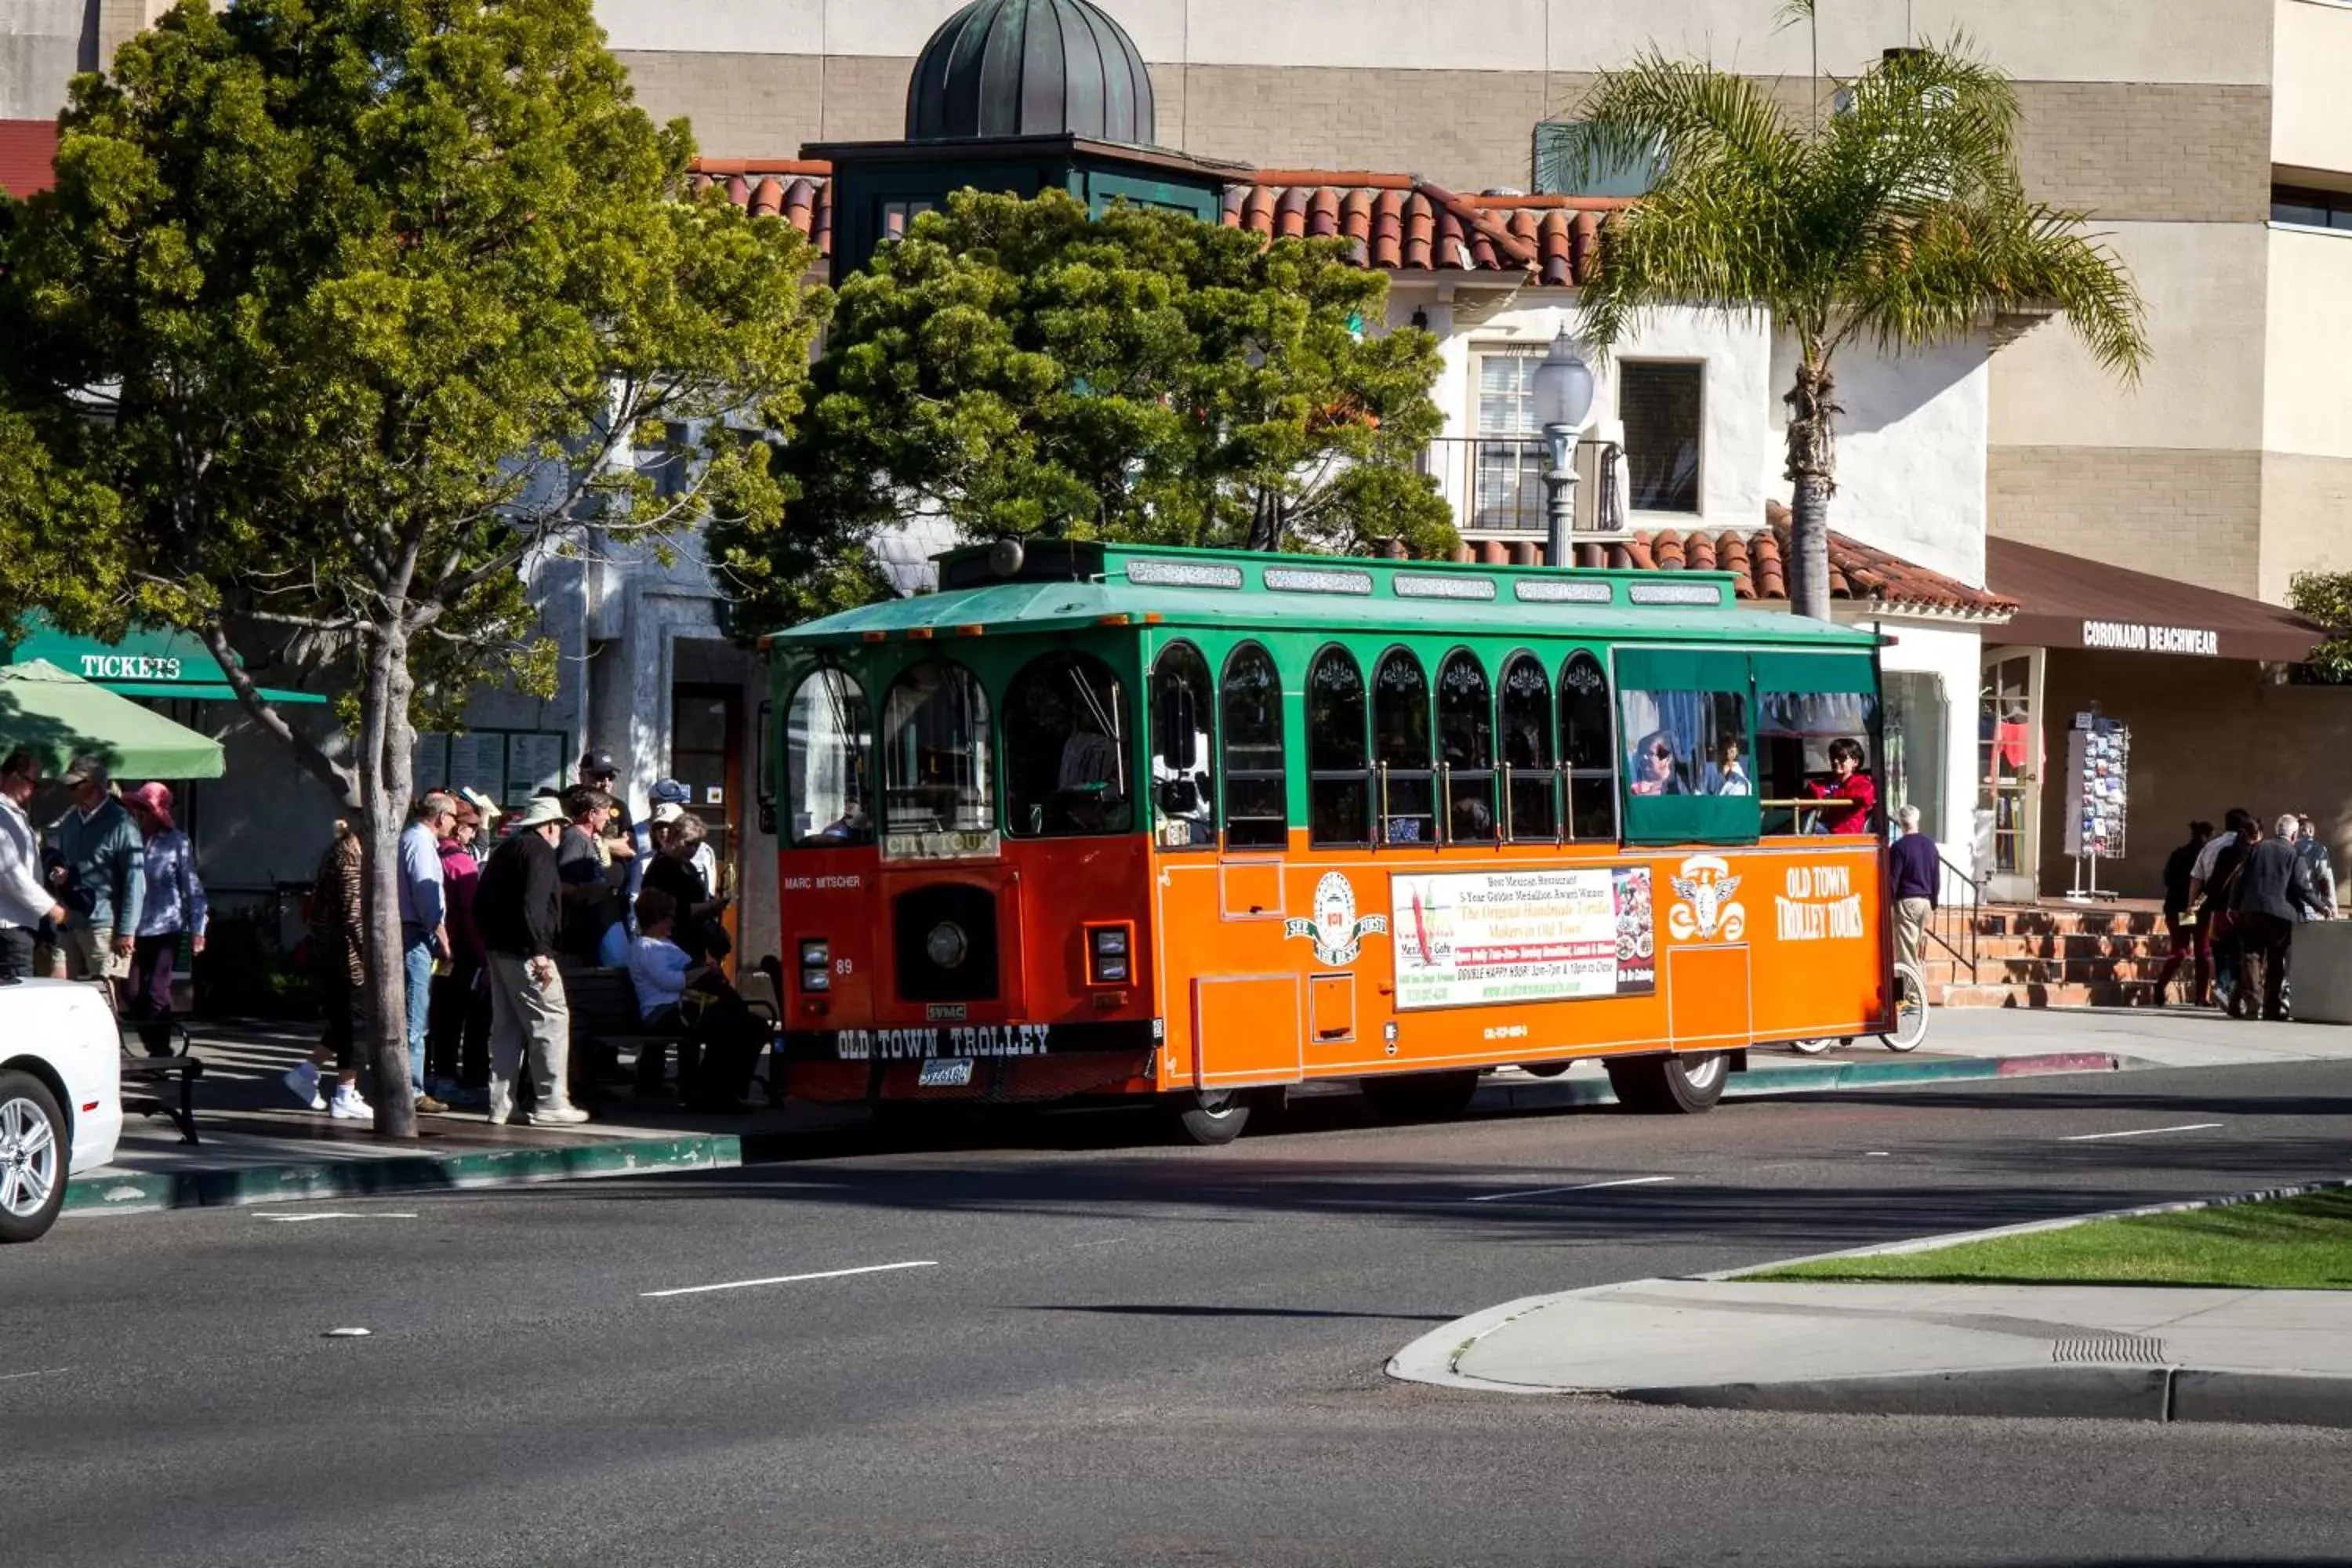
x=1582, y=1187
x=44, y=1372
x=1875, y=1154
x=791, y=1278
x=1111, y=1241
x=2140, y=1132
x=332, y=1214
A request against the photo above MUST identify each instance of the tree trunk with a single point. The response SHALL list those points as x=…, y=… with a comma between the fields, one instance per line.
x=383, y=812
x=1812, y=409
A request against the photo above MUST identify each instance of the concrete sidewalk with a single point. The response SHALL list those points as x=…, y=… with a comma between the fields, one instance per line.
x=2156, y=1354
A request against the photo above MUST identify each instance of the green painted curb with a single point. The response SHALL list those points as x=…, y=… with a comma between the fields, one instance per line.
x=140, y=1192
x=1808, y=1078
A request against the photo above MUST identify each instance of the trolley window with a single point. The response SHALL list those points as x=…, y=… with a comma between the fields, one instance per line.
x=1338, y=760
x=1466, y=746
x=1688, y=771
x=1402, y=747
x=1819, y=739
x=1257, y=797
x=1588, y=749
x=1067, y=767
x=828, y=737
x=937, y=772
x=1183, y=791
x=1531, y=784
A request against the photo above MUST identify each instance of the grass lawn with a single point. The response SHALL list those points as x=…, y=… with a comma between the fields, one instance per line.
x=2287, y=1244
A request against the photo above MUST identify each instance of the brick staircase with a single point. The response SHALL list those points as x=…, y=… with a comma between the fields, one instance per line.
x=2062, y=956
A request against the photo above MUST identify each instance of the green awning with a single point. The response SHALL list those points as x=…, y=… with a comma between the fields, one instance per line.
x=59, y=715
x=147, y=662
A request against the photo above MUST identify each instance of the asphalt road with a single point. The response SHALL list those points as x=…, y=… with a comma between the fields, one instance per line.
x=1105, y=1353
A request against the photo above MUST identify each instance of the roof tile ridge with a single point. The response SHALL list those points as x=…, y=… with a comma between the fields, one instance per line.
x=1509, y=244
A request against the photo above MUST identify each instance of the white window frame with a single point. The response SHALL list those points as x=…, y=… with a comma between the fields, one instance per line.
x=1699, y=479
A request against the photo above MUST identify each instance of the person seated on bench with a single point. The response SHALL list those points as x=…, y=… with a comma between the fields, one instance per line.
x=719, y=1038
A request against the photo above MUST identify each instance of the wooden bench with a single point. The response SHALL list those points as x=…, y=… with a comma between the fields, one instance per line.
x=605, y=1019
x=160, y=1072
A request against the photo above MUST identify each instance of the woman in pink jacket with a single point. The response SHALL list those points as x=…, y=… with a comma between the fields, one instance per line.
x=457, y=1034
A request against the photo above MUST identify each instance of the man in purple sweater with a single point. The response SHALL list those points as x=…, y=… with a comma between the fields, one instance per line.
x=1913, y=871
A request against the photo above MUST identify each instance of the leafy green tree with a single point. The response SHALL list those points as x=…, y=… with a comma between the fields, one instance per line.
x=2325, y=598
x=352, y=311
x=1898, y=221
x=1021, y=369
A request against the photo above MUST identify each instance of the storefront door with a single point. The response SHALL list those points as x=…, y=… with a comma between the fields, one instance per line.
x=2009, y=772
x=705, y=755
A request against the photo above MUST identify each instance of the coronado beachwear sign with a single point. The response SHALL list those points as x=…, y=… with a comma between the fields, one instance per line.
x=2134, y=637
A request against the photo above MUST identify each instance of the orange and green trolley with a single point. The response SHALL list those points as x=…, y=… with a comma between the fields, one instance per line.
x=1099, y=820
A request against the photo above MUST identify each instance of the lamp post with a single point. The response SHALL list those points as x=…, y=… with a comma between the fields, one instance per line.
x=1563, y=399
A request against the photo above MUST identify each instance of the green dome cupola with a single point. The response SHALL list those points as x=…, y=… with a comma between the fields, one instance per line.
x=1030, y=68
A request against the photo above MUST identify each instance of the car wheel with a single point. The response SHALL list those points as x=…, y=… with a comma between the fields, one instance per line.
x=1211, y=1116
x=32, y=1158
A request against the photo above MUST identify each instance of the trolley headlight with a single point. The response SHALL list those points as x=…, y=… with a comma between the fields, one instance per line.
x=1106, y=955
x=816, y=964
x=947, y=946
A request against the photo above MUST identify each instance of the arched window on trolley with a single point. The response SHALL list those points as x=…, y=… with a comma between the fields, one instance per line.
x=1466, y=744
x=1257, y=793
x=1183, y=772
x=1068, y=764
x=938, y=770
x=1587, y=756
x=1339, y=757
x=828, y=744
x=1531, y=778
x=1402, y=751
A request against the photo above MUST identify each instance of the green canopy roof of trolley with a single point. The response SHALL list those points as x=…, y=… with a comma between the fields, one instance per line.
x=1059, y=585
x=60, y=716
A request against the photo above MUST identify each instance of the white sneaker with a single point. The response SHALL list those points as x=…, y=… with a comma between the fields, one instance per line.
x=501, y=1102
x=349, y=1107
x=303, y=1080
x=556, y=1116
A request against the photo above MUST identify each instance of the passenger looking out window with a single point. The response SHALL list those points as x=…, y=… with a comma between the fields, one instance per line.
x=1849, y=796
x=1693, y=743
x=1726, y=771
x=1656, y=769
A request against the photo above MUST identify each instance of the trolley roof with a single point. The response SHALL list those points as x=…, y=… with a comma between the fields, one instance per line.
x=1062, y=585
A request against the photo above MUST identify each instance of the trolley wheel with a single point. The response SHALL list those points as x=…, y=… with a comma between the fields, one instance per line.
x=1670, y=1085
x=1910, y=1010
x=1813, y=1047
x=1210, y=1116
x=1421, y=1096
x=1545, y=1070
x=33, y=1156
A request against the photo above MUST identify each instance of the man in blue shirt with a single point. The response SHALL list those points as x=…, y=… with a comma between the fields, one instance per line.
x=424, y=923
x=1915, y=872
x=104, y=879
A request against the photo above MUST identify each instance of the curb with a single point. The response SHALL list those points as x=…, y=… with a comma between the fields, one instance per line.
x=146, y=1192
x=1792, y=1079
x=2163, y=1393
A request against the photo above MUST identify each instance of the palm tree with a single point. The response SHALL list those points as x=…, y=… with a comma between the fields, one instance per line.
x=1898, y=220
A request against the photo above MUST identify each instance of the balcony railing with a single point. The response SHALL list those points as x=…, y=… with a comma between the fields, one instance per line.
x=1494, y=484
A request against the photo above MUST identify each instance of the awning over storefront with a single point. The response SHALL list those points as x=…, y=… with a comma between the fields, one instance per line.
x=2066, y=601
x=143, y=664
x=60, y=716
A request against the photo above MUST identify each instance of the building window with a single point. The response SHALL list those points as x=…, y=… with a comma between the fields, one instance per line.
x=1661, y=404
x=897, y=217
x=1507, y=482
x=2310, y=208
x=1562, y=167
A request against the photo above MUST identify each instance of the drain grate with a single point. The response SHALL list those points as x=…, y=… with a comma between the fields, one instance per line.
x=2110, y=1350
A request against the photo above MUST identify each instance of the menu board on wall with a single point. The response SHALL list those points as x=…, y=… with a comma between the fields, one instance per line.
x=477, y=761
x=2098, y=768
x=535, y=762
x=1483, y=937
x=428, y=762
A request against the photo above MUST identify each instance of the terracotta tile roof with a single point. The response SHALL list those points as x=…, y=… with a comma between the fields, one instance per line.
x=1399, y=222
x=798, y=189
x=1859, y=572
x=28, y=152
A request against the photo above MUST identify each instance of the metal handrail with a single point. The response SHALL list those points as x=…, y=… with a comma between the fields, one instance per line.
x=1955, y=925
x=1494, y=484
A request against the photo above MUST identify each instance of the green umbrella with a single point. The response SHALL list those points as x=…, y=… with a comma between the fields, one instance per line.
x=59, y=716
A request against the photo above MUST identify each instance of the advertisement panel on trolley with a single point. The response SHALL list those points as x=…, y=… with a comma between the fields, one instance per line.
x=1475, y=938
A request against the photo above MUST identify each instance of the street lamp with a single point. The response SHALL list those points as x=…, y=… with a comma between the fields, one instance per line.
x=1563, y=398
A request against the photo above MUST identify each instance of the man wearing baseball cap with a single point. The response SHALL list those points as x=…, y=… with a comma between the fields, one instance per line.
x=625, y=844
x=104, y=879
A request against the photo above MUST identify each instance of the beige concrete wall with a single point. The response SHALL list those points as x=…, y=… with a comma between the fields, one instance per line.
x=2140, y=152
x=2312, y=40
x=2192, y=516
x=2307, y=518
x=2309, y=287
x=2196, y=724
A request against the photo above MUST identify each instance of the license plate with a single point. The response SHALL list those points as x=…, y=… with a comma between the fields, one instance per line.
x=946, y=1072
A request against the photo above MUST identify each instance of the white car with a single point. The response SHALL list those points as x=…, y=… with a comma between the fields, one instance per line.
x=60, y=1097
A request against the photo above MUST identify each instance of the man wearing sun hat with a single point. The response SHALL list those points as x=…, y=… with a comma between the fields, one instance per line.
x=518, y=911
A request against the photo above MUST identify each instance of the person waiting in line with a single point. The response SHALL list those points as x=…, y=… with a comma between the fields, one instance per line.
x=2274, y=894
x=101, y=876
x=591, y=906
x=458, y=1030
x=2314, y=854
x=1915, y=873
x=2219, y=887
x=2213, y=915
x=26, y=904
x=1654, y=771
x=675, y=872
x=518, y=909
x=2180, y=919
x=339, y=976
x=175, y=908
x=1849, y=797
x=1726, y=773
